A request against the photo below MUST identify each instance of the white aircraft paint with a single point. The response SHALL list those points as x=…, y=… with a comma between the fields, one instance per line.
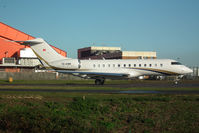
x=105, y=69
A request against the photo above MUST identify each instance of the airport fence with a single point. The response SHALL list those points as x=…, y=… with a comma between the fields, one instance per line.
x=37, y=76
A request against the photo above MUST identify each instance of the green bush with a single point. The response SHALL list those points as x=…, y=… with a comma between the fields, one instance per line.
x=113, y=113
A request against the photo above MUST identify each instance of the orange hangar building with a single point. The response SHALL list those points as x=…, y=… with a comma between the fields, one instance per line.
x=15, y=57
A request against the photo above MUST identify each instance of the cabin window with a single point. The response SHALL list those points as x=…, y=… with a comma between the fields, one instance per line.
x=98, y=65
x=113, y=65
x=134, y=65
x=109, y=65
x=129, y=65
x=124, y=65
x=140, y=65
x=118, y=65
x=93, y=65
x=144, y=65
x=67, y=63
x=176, y=63
x=103, y=65
x=150, y=65
x=161, y=65
x=156, y=65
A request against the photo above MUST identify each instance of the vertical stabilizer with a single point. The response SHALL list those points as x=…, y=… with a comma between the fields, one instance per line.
x=43, y=50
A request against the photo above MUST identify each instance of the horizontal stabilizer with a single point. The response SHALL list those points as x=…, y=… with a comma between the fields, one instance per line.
x=30, y=42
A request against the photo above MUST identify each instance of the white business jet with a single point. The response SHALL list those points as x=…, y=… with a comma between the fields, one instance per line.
x=105, y=69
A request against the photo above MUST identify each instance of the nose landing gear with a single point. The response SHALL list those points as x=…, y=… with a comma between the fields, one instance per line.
x=99, y=81
x=177, y=79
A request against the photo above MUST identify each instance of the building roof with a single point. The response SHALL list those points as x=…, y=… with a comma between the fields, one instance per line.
x=105, y=48
x=139, y=53
x=100, y=48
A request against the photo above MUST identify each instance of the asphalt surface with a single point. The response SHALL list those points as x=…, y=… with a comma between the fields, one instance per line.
x=185, y=84
x=105, y=91
x=190, y=84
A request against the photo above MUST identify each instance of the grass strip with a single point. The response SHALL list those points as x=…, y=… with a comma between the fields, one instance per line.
x=61, y=112
x=96, y=88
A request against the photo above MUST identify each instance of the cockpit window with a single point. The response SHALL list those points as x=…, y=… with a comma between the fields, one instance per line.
x=176, y=63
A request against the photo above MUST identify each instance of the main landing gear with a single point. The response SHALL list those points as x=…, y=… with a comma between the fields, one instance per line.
x=99, y=81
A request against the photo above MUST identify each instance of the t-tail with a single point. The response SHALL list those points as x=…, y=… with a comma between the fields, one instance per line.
x=43, y=50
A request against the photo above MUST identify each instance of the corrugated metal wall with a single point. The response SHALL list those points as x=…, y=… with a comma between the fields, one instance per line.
x=11, y=49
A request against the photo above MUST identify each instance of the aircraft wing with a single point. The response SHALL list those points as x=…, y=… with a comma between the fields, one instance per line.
x=93, y=74
x=87, y=74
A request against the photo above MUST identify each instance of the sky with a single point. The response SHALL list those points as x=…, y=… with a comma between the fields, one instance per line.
x=169, y=27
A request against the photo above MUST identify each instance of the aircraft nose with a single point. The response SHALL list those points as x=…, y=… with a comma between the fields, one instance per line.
x=188, y=70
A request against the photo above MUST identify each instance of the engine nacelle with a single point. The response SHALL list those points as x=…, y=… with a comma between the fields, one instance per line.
x=141, y=77
x=133, y=75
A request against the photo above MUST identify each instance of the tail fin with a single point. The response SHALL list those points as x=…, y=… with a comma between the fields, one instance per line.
x=43, y=51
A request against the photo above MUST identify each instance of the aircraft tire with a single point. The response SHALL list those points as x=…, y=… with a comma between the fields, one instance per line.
x=99, y=81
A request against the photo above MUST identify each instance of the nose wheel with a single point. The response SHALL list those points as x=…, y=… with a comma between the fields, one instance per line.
x=176, y=82
x=177, y=79
x=99, y=81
